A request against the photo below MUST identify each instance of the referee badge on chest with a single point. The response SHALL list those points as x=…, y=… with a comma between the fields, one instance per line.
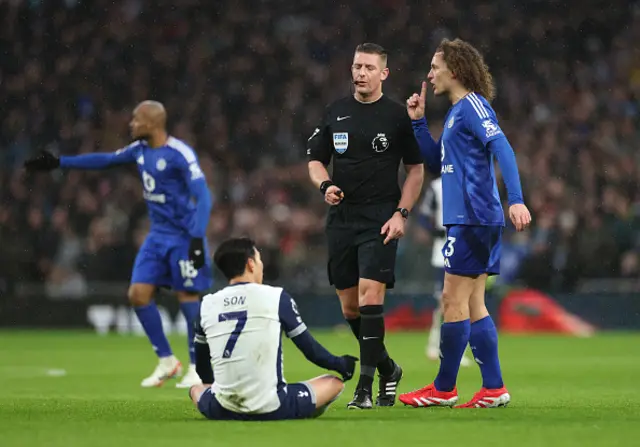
x=340, y=142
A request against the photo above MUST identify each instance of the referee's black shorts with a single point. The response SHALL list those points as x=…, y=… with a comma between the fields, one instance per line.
x=356, y=247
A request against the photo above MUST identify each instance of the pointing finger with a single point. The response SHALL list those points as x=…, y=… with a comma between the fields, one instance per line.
x=423, y=92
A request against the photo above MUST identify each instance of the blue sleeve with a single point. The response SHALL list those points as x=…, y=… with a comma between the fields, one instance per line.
x=199, y=190
x=100, y=160
x=429, y=148
x=290, y=317
x=297, y=331
x=503, y=152
x=203, y=355
x=480, y=119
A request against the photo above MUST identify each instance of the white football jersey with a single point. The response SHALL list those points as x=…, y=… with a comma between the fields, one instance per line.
x=243, y=325
x=431, y=206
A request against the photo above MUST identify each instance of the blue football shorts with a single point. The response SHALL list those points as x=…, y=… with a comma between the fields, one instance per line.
x=163, y=260
x=472, y=250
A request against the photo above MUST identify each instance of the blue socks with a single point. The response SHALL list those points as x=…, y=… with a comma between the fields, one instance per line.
x=191, y=310
x=453, y=341
x=484, y=345
x=152, y=323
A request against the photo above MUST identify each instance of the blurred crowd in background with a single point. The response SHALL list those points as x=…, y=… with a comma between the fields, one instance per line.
x=245, y=82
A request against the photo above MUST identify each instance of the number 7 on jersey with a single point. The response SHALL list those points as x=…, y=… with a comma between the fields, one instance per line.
x=241, y=316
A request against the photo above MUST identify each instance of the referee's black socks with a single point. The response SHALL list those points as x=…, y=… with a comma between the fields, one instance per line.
x=372, y=351
x=354, y=324
x=386, y=367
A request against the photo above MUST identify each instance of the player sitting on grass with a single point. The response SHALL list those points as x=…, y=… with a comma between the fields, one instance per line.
x=239, y=334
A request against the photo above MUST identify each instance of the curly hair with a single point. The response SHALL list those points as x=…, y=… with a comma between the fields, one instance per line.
x=466, y=62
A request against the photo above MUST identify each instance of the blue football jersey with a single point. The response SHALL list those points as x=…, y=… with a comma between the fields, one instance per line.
x=469, y=188
x=166, y=174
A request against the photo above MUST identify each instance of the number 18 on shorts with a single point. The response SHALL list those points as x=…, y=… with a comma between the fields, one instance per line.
x=472, y=250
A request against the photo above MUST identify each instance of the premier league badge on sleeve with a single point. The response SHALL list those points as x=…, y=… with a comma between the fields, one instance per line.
x=491, y=128
x=341, y=141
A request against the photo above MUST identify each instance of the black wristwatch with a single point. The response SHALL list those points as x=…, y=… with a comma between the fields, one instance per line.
x=403, y=212
x=324, y=186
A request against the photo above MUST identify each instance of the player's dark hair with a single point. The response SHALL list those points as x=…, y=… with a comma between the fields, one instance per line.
x=466, y=62
x=373, y=48
x=232, y=255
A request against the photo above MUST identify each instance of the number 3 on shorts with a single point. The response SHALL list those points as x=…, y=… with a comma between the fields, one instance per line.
x=448, y=247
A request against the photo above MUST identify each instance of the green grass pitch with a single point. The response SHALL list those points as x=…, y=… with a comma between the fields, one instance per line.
x=565, y=392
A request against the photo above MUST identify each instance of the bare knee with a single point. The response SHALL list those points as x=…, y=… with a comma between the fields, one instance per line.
x=140, y=294
x=195, y=392
x=350, y=310
x=477, y=310
x=349, y=303
x=326, y=388
x=454, y=307
x=371, y=293
x=338, y=387
x=477, y=307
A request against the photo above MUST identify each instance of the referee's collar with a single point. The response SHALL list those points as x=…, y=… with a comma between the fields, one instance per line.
x=368, y=102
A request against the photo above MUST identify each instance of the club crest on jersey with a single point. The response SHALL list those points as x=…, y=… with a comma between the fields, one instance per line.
x=380, y=143
x=491, y=128
x=451, y=121
x=341, y=141
x=161, y=164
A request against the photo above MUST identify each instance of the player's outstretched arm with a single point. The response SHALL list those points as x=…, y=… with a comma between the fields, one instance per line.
x=46, y=161
x=317, y=354
x=429, y=148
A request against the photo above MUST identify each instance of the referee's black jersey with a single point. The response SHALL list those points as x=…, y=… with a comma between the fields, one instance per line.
x=367, y=142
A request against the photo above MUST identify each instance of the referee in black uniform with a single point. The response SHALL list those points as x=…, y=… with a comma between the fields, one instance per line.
x=367, y=135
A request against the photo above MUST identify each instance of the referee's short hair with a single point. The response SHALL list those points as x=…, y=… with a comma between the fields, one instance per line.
x=373, y=48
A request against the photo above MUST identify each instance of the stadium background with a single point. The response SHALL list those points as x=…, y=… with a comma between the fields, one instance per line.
x=246, y=82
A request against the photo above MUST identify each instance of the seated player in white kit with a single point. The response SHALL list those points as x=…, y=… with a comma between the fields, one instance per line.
x=239, y=348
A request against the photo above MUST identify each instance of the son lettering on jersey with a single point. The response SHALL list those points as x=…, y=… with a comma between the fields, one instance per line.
x=235, y=300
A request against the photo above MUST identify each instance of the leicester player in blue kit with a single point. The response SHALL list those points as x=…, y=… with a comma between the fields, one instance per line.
x=473, y=217
x=174, y=254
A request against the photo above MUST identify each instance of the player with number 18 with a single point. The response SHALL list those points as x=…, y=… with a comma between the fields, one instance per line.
x=174, y=254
